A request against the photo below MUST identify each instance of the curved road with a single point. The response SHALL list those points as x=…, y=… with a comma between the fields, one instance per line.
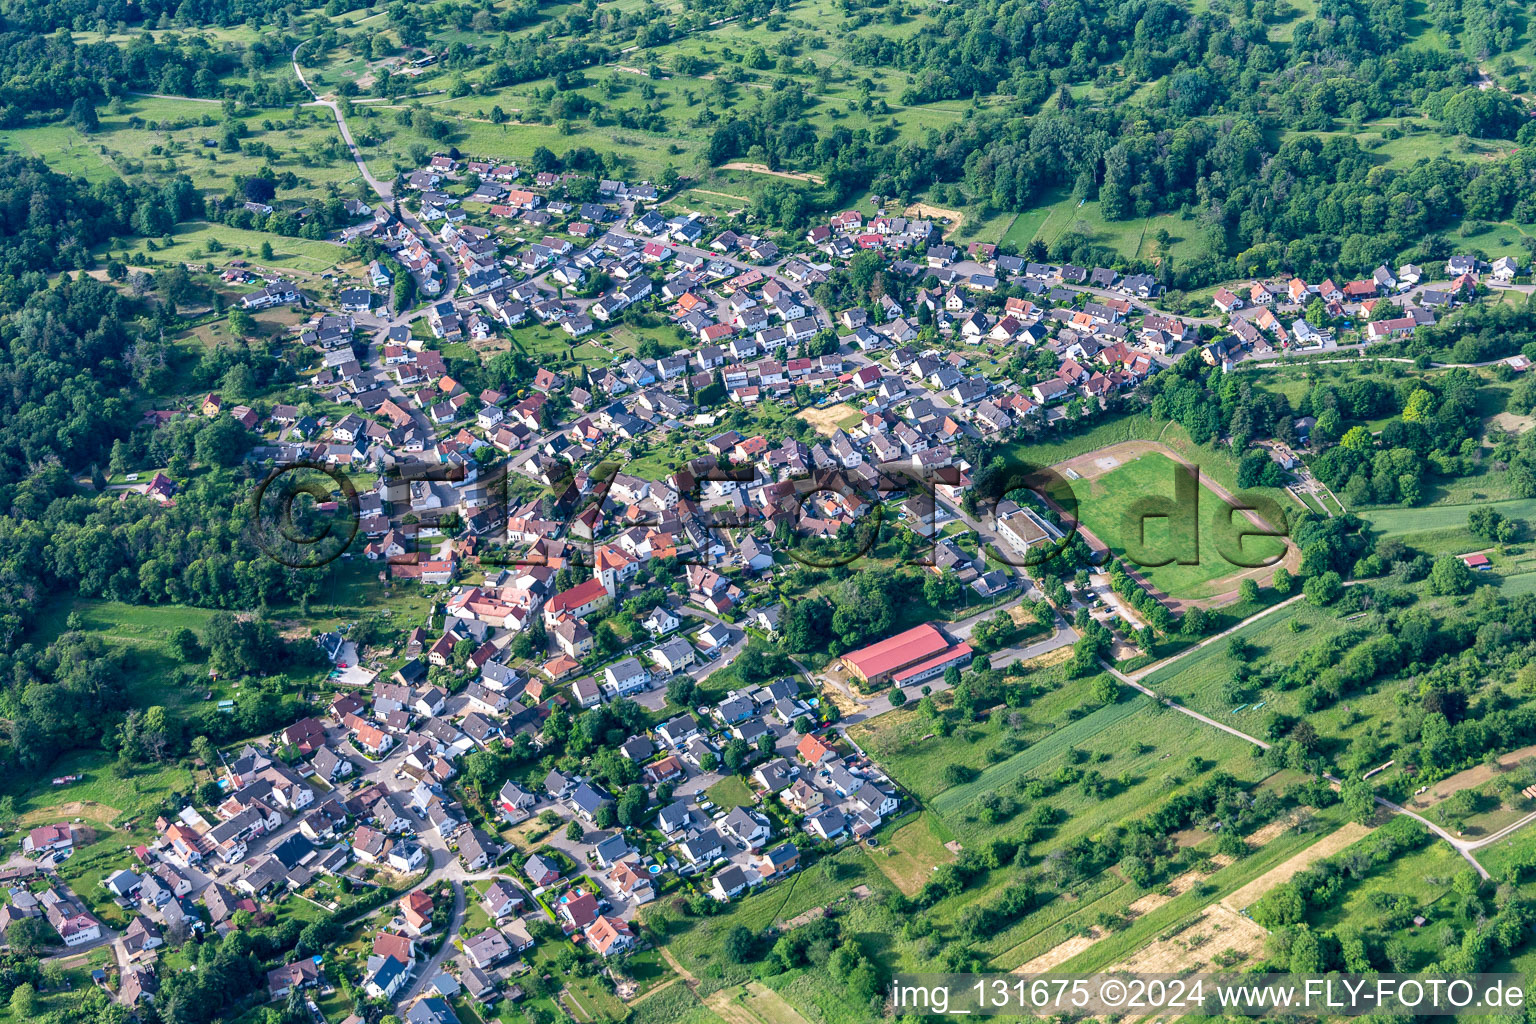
x=383, y=189
x=429, y=970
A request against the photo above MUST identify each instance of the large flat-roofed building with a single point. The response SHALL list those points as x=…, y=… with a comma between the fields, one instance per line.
x=1022, y=528
x=960, y=655
x=880, y=661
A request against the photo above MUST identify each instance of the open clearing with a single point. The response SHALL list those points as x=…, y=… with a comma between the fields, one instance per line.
x=752, y=1003
x=826, y=418
x=1325, y=847
x=1513, y=422
x=738, y=165
x=939, y=213
x=911, y=853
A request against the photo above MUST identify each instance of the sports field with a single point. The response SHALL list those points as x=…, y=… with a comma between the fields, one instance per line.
x=1203, y=533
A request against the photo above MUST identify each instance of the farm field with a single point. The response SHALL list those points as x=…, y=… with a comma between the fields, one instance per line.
x=753, y=1003
x=994, y=779
x=1270, y=847
x=1034, y=814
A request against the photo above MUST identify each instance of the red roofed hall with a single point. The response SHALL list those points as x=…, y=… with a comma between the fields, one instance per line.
x=960, y=654
x=880, y=661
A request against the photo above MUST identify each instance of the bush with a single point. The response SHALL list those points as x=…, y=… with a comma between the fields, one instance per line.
x=1323, y=588
x=955, y=774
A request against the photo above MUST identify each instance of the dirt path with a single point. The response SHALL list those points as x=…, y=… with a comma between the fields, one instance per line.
x=676, y=965
x=740, y=165
x=722, y=195
x=1468, y=779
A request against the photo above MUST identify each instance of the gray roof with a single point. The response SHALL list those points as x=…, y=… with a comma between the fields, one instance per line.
x=701, y=846
x=674, y=816
x=613, y=848
x=589, y=798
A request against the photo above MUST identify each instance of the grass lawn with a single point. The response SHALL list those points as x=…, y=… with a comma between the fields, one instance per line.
x=908, y=855
x=951, y=801
x=1195, y=680
x=1313, y=505
x=592, y=998
x=190, y=244
x=1108, y=510
x=731, y=791
x=1405, y=522
x=697, y=942
x=1183, y=908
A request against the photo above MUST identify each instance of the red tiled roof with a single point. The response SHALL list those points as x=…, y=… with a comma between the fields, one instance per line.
x=916, y=644
x=942, y=658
